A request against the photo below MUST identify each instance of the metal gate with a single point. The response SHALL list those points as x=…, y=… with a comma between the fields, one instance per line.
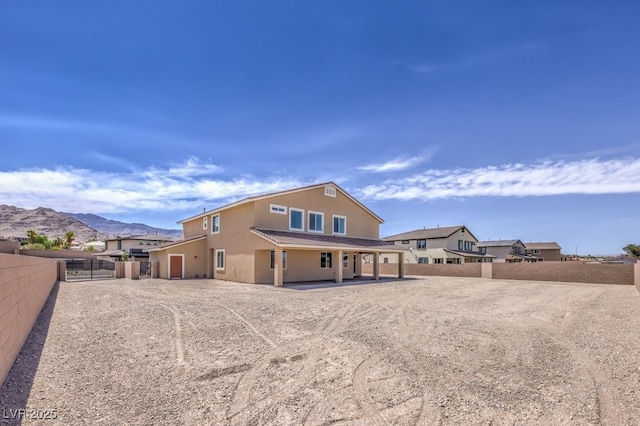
x=90, y=269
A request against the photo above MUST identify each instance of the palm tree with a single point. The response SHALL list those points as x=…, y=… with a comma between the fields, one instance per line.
x=32, y=235
x=69, y=236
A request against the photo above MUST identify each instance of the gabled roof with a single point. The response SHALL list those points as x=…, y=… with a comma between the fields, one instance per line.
x=499, y=243
x=146, y=237
x=177, y=243
x=543, y=246
x=278, y=193
x=299, y=240
x=428, y=233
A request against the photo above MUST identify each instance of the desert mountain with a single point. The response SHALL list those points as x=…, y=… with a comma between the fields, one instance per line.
x=112, y=228
x=15, y=222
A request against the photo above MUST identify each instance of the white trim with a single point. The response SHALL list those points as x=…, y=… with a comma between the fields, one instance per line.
x=169, y=255
x=327, y=255
x=212, y=223
x=333, y=226
x=294, y=209
x=309, y=213
x=277, y=209
x=345, y=256
x=330, y=191
x=205, y=222
x=224, y=259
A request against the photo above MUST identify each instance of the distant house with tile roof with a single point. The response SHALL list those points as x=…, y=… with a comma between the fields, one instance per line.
x=441, y=245
x=548, y=251
x=507, y=251
x=313, y=233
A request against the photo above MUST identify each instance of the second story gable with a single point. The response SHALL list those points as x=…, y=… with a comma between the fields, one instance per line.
x=316, y=209
x=449, y=237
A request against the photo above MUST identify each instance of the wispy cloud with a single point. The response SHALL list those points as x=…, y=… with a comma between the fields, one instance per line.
x=181, y=187
x=399, y=163
x=592, y=176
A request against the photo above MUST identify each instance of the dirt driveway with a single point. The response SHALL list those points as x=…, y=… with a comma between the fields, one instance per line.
x=417, y=351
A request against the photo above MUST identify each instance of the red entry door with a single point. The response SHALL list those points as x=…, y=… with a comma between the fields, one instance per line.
x=175, y=266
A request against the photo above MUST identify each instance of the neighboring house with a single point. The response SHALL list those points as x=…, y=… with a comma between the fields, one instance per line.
x=313, y=233
x=136, y=246
x=98, y=246
x=549, y=251
x=622, y=259
x=508, y=251
x=452, y=244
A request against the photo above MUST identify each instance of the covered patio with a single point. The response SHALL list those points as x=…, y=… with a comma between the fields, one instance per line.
x=307, y=257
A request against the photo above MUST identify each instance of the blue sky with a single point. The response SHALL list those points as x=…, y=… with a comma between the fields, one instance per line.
x=517, y=119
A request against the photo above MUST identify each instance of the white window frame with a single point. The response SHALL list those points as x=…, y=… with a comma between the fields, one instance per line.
x=345, y=260
x=330, y=191
x=301, y=211
x=205, y=223
x=328, y=263
x=309, y=213
x=272, y=258
x=224, y=259
x=277, y=209
x=213, y=221
x=333, y=225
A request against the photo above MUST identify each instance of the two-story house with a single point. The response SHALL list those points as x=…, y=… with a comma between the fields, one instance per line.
x=313, y=233
x=450, y=244
x=549, y=251
x=507, y=251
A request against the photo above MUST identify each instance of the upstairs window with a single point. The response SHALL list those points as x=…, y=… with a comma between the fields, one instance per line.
x=296, y=219
x=316, y=222
x=482, y=250
x=215, y=224
x=339, y=225
x=421, y=244
x=468, y=245
x=274, y=208
x=460, y=246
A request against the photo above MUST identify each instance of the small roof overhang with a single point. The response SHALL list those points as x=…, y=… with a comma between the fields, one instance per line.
x=177, y=243
x=304, y=241
x=470, y=254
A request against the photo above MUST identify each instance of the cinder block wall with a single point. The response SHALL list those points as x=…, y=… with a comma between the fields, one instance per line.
x=541, y=271
x=9, y=247
x=593, y=273
x=58, y=254
x=25, y=284
x=473, y=270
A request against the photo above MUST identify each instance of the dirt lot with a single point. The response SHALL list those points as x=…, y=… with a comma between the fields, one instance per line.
x=417, y=351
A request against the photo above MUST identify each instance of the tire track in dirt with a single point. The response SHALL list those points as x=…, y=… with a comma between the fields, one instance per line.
x=359, y=380
x=178, y=331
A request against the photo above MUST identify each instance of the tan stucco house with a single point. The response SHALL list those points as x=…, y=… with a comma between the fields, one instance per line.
x=507, y=251
x=312, y=233
x=441, y=245
x=549, y=251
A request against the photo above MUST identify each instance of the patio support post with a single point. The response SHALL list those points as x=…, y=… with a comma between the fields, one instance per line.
x=339, y=265
x=278, y=278
x=376, y=266
x=400, y=266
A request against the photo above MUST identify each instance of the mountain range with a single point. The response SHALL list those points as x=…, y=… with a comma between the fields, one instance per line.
x=16, y=221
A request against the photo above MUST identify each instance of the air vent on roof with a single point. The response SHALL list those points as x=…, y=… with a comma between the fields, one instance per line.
x=330, y=191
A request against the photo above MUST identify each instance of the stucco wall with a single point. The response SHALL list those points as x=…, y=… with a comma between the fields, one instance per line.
x=637, y=274
x=25, y=284
x=303, y=265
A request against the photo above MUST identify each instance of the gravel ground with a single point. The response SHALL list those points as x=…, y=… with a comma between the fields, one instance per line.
x=416, y=351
